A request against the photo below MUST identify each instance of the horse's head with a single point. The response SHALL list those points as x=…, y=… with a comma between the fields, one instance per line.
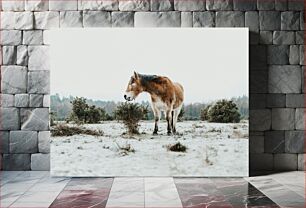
x=134, y=87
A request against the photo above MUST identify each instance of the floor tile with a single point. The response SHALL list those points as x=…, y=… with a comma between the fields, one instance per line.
x=125, y=199
x=81, y=199
x=161, y=192
x=30, y=205
x=89, y=183
x=278, y=192
x=7, y=176
x=200, y=193
x=128, y=185
x=38, y=196
x=50, y=184
x=153, y=184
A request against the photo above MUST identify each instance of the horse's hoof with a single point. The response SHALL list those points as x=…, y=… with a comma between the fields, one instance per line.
x=155, y=133
x=169, y=133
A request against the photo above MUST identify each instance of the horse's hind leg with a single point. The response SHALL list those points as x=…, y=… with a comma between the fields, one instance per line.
x=175, y=115
x=169, y=122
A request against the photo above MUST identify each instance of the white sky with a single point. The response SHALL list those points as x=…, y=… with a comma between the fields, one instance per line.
x=97, y=63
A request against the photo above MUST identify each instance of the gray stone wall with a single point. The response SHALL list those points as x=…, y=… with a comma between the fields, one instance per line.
x=276, y=68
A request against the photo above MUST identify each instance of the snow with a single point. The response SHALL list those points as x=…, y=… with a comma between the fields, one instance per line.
x=213, y=149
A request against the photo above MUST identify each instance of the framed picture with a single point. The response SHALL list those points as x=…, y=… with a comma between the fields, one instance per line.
x=149, y=102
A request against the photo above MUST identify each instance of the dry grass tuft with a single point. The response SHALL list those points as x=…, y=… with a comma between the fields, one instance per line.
x=177, y=147
x=65, y=130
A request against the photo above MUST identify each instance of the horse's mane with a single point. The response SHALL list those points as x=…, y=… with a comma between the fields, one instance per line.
x=149, y=78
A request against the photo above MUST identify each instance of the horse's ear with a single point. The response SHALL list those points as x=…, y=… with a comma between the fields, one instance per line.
x=136, y=75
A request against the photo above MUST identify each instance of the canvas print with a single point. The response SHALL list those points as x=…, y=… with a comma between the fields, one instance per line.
x=149, y=102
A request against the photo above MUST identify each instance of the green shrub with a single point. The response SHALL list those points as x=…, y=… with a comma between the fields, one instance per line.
x=204, y=113
x=224, y=111
x=84, y=113
x=130, y=114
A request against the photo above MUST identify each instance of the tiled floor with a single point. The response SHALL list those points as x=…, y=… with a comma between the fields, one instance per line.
x=38, y=189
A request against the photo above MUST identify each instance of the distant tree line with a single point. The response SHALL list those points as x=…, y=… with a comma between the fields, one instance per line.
x=89, y=111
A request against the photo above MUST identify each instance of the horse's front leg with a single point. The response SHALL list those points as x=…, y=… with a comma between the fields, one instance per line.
x=157, y=115
x=169, y=122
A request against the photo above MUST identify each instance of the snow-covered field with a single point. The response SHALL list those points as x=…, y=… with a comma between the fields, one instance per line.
x=213, y=149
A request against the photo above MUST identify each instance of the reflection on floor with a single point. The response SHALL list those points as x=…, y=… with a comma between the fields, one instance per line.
x=38, y=189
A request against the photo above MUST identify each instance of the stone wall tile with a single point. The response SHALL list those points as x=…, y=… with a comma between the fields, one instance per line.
x=257, y=101
x=294, y=141
x=33, y=37
x=300, y=119
x=97, y=19
x=6, y=100
x=185, y=6
x=265, y=5
x=290, y=20
x=22, y=55
x=295, y=100
x=186, y=19
x=103, y=5
x=283, y=37
x=13, y=79
x=44, y=141
x=4, y=141
x=278, y=54
x=16, y=162
x=285, y=79
x=281, y=5
x=63, y=5
x=24, y=20
x=46, y=20
x=36, y=119
x=294, y=54
x=162, y=5
x=10, y=119
x=203, y=19
x=71, y=19
x=301, y=162
x=276, y=100
x=256, y=144
x=13, y=5
x=269, y=20
x=22, y=100
x=40, y=162
x=266, y=37
x=283, y=118
x=9, y=55
x=157, y=19
x=223, y=5
x=38, y=58
x=23, y=142
x=122, y=19
x=260, y=120
x=245, y=5
x=229, y=19
x=39, y=82
x=7, y=20
x=36, y=5
x=36, y=100
x=274, y=141
x=134, y=5
x=261, y=161
x=11, y=37
x=285, y=162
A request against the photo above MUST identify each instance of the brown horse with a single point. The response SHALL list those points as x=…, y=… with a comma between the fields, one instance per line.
x=166, y=96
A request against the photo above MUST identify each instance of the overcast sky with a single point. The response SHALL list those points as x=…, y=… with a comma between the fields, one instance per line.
x=98, y=63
